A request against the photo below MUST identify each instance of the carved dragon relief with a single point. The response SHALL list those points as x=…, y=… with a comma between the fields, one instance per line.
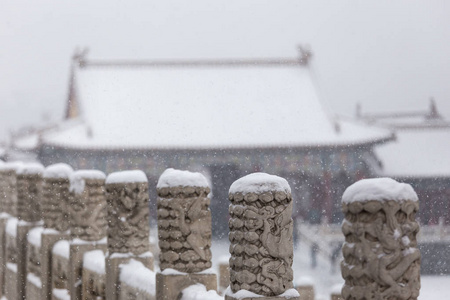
x=29, y=194
x=381, y=259
x=55, y=210
x=267, y=226
x=128, y=215
x=88, y=212
x=184, y=229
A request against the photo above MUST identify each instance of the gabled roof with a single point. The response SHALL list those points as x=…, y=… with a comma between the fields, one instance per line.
x=202, y=104
x=421, y=148
x=417, y=153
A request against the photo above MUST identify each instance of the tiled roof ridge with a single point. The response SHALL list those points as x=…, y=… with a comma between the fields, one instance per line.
x=264, y=62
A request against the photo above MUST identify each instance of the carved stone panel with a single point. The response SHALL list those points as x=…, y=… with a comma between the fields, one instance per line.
x=381, y=258
x=29, y=192
x=184, y=221
x=261, y=238
x=87, y=205
x=55, y=201
x=128, y=212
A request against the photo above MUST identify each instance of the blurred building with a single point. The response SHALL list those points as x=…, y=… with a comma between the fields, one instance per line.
x=419, y=156
x=225, y=118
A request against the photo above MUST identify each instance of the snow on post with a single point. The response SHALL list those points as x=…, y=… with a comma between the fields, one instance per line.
x=261, y=228
x=184, y=231
x=381, y=257
x=128, y=225
x=8, y=187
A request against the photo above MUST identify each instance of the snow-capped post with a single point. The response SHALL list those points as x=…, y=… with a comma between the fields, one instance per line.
x=56, y=219
x=87, y=212
x=128, y=225
x=184, y=231
x=8, y=210
x=261, y=228
x=29, y=197
x=381, y=258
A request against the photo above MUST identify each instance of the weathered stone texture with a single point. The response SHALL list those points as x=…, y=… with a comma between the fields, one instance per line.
x=55, y=212
x=29, y=195
x=60, y=270
x=128, y=217
x=11, y=282
x=88, y=224
x=170, y=286
x=132, y=293
x=33, y=291
x=184, y=228
x=261, y=247
x=34, y=260
x=8, y=191
x=48, y=240
x=381, y=259
x=306, y=292
x=224, y=276
x=87, y=209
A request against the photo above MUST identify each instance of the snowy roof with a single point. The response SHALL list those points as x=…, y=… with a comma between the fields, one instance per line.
x=27, y=142
x=417, y=153
x=203, y=105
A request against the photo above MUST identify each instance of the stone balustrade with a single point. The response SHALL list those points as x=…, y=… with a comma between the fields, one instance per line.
x=82, y=235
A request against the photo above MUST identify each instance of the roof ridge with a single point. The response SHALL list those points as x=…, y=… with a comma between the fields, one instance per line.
x=238, y=62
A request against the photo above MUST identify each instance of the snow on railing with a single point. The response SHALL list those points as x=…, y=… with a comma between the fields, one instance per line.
x=199, y=292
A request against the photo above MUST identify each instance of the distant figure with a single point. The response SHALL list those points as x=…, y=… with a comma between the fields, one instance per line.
x=314, y=251
x=334, y=256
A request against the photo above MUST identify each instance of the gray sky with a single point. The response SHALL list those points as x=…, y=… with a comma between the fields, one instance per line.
x=388, y=55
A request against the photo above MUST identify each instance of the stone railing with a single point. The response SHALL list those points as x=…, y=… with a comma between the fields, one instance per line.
x=84, y=235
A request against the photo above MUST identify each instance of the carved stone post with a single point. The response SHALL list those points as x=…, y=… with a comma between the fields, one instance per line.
x=29, y=197
x=87, y=210
x=128, y=225
x=8, y=188
x=8, y=210
x=381, y=258
x=184, y=231
x=55, y=215
x=261, y=238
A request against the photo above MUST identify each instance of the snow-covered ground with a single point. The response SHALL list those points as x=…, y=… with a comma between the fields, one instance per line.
x=433, y=287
